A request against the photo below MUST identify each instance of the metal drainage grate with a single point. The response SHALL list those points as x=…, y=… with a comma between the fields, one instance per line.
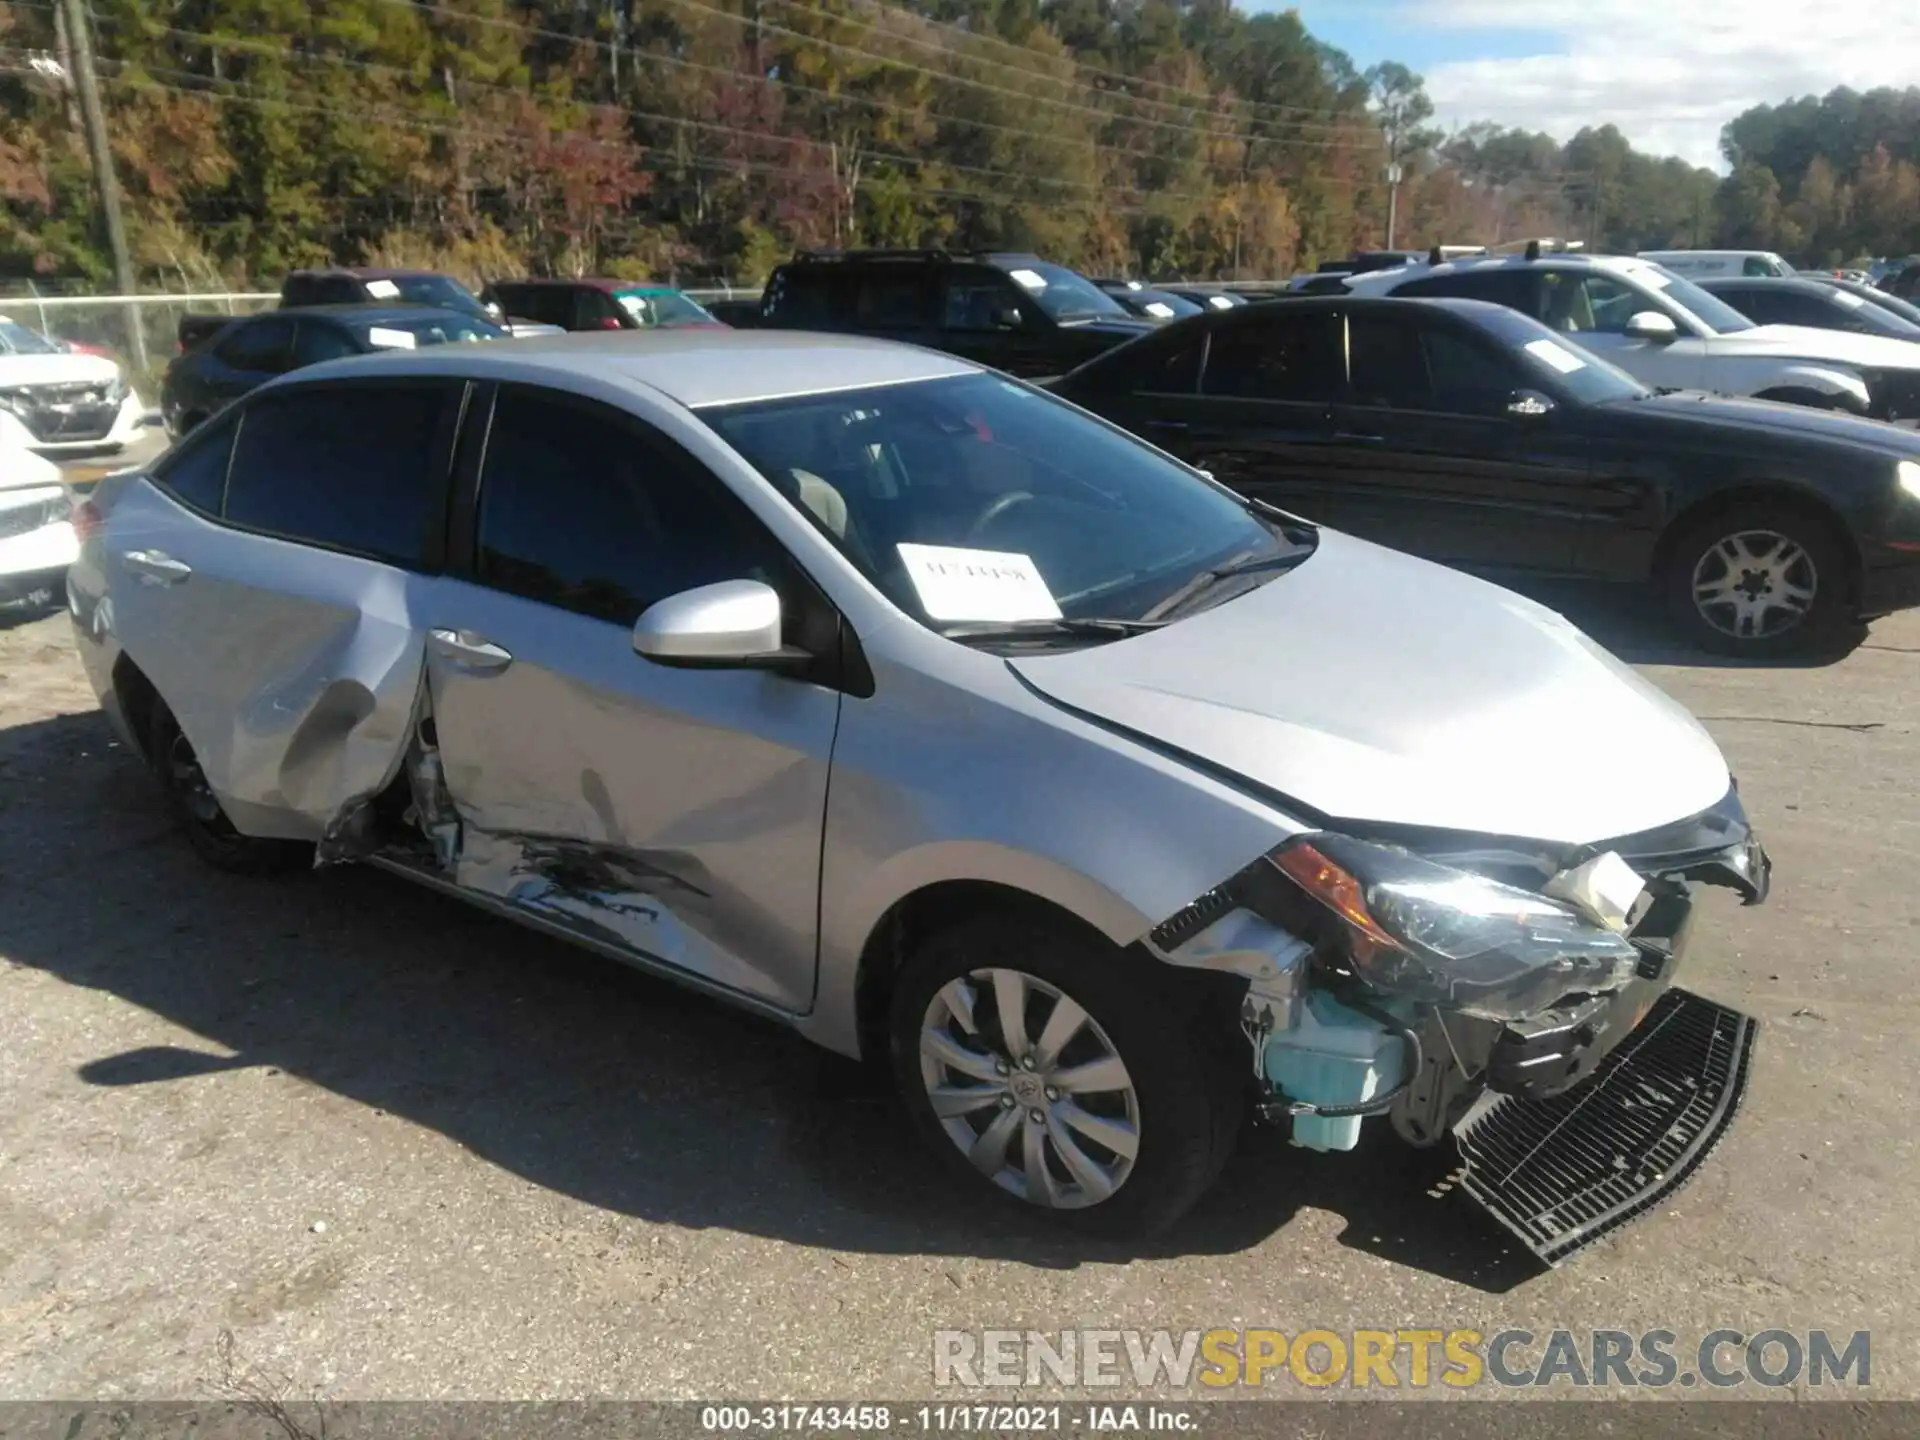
x=1560, y=1173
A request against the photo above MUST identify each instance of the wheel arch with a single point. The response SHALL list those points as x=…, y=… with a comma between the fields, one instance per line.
x=922, y=913
x=1762, y=492
x=137, y=699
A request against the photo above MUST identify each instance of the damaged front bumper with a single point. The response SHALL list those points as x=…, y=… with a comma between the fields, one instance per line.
x=1342, y=1025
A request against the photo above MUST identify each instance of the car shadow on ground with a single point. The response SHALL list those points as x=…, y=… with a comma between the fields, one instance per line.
x=573, y=1072
x=1631, y=622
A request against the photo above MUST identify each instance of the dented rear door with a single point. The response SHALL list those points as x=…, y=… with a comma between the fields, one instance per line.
x=282, y=623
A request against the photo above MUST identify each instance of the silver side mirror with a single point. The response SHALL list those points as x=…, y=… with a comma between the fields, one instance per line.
x=1529, y=405
x=735, y=623
x=1652, y=325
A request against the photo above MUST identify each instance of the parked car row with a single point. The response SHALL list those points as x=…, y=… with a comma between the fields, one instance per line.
x=912, y=706
x=324, y=314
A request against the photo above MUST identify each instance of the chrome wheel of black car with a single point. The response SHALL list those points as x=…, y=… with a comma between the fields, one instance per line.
x=1754, y=584
x=1762, y=579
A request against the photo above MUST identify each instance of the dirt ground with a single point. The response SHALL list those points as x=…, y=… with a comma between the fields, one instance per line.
x=358, y=1137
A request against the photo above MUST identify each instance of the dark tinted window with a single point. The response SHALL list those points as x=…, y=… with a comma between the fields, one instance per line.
x=889, y=297
x=579, y=508
x=1754, y=265
x=805, y=295
x=980, y=300
x=1514, y=288
x=196, y=471
x=349, y=467
x=259, y=345
x=1277, y=357
x=1470, y=375
x=1389, y=363
x=319, y=340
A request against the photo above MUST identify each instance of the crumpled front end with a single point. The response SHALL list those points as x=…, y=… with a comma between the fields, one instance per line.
x=1497, y=990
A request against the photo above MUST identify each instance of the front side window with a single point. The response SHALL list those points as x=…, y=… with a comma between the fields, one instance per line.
x=980, y=301
x=807, y=295
x=261, y=346
x=1062, y=293
x=317, y=340
x=1511, y=286
x=434, y=290
x=893, y=473
x=1579, y=304
x=579, y=511
x=348, y=467
x=1470, y=377
x=1284, y=357
x=1389, y=363
x=661, y=309
x=893, y=298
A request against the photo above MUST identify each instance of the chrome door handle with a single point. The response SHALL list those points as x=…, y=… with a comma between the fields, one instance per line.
x=156, y=567
x=475, y=652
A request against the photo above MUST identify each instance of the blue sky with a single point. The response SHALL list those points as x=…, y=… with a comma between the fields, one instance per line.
x=1668, y=74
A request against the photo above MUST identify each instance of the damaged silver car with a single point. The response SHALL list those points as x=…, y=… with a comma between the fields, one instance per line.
x=958, y=729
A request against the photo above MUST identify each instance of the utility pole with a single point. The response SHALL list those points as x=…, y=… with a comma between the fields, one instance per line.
x=80, y=38
x=1394, y=175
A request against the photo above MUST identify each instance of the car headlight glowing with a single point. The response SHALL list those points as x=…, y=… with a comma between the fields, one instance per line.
x=1907, y=476
x=1437, y=935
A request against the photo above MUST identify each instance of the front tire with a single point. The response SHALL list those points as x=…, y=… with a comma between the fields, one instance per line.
x=1759, y=580
x=198, y=813
x=1055, y=1070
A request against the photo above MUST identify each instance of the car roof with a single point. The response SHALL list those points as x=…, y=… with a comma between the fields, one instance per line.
x=367, y=314
x=1769, y=282
x=587, y=283
x=694, y=367
x=1469, y=264
x=368, y=272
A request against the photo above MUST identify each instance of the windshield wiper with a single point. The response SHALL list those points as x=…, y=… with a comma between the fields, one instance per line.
x=1249, y=564
x=1098, y=627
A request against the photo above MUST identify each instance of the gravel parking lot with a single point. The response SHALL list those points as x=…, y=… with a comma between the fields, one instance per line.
x=394, y=1148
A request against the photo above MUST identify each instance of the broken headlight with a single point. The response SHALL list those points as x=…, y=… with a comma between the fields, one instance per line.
x=1436, y=935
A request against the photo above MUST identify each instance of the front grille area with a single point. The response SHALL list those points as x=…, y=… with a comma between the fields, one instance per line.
x=1561, y=1172
x=74, y=411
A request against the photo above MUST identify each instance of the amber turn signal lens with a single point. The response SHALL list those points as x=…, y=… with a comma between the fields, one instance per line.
x=1333, y=888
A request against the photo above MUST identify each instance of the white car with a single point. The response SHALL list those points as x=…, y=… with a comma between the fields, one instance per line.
x=37, y=542
x=1698, y=264
x=1670, y=334
x=59, y=402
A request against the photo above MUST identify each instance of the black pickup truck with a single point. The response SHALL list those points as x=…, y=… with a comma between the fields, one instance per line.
x=360, y=285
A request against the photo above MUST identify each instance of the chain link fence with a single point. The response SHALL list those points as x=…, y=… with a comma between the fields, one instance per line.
x=102, y=322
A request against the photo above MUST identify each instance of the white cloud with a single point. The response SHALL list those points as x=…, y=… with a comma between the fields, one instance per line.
x=1668, y=73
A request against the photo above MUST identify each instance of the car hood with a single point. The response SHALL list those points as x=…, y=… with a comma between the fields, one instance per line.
x=65, y=368
x=20, y=468
x=1841, y=346
x=1767, y=418
x=1371, y=687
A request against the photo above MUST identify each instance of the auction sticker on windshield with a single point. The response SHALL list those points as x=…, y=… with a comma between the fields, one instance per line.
x=390, y=339
x=382, y=289
x=957, y=584
x=1556, y=355
x=1029, y=279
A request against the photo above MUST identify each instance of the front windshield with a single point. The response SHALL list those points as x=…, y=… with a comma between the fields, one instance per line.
x=1565, y=368
x=1164, y=305
x=438, y=290
x=17, y=339
x=662, y=309
x=1873, y=319
x=910, y=481
x=435, y=331
x=1711, y=311
x=1062, y=293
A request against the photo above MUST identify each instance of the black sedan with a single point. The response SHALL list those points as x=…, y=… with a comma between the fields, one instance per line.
x=1776, y=300
x=251, y=351
x=1471, y=434
x=1872, y=294
x=1147, y=302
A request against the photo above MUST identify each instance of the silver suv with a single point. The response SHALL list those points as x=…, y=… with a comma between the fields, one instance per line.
x=907, y=704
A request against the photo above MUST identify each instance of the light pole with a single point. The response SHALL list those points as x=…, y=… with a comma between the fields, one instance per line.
x=1394, y=176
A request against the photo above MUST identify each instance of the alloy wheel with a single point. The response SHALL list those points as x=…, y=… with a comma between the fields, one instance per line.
x=1030, y=1088
x=1754, y=584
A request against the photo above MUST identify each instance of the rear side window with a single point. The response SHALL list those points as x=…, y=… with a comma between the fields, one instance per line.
x=806, y=295
x=196, y=471
x=1389, y=363
x=319, y=340
x=349, y=467
x=889, y=297
x=261, y=345
x=578, y=510
x=1516, y=289
x=1292, y=357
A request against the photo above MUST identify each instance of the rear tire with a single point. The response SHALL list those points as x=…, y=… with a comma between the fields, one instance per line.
x=1116, y=1129
x=198, y=813
x=1764, y=579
